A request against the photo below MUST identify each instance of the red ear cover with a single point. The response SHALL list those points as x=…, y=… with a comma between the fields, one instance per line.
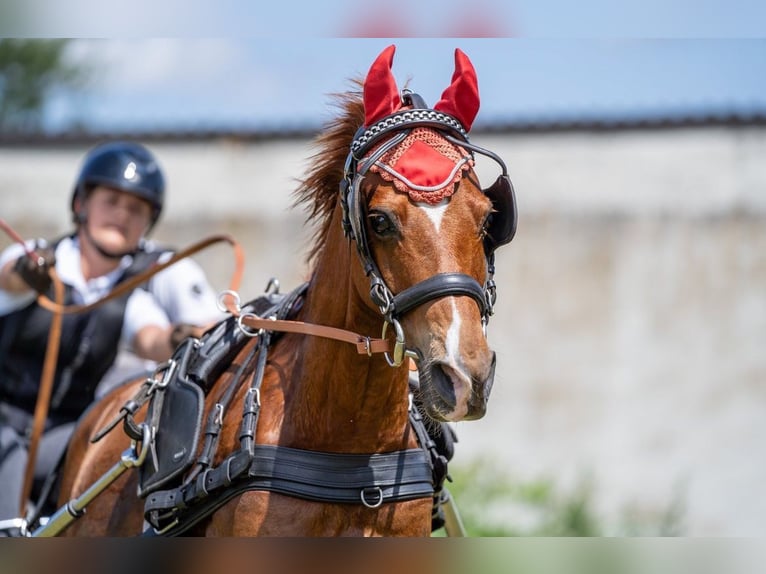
x=381, y=96
x=461, y=98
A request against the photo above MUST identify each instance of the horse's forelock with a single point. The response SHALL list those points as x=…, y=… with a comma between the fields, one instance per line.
x=318, y=189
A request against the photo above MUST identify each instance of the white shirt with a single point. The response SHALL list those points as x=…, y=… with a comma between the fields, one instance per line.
x=178, y=294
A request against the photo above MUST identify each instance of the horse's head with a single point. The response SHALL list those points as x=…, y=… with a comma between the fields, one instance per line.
x=426, y=233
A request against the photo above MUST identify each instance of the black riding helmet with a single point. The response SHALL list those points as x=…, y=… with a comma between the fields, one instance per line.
x=126, y=166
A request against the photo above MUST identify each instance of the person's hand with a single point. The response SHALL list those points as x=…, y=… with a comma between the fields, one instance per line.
x=34, y=270
x=182, y=331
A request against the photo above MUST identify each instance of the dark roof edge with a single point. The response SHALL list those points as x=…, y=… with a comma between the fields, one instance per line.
x=77, y=137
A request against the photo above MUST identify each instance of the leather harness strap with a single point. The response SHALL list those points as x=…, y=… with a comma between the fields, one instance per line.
x=364, y=345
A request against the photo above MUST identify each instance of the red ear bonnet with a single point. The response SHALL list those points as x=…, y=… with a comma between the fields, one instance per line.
x=424, y=165
x=461, y=98
x=381, y=96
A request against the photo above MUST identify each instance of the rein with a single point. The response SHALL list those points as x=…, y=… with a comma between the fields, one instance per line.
x=253, y=325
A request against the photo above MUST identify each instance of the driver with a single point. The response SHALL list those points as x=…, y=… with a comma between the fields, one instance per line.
x=117, y=199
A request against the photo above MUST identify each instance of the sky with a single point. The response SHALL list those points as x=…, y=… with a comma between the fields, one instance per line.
x=244, y=64
x=244, y=83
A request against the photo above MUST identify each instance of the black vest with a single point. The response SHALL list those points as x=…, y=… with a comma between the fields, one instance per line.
x=89, y=346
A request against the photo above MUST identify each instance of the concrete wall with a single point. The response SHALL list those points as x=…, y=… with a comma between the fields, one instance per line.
x=631, y=318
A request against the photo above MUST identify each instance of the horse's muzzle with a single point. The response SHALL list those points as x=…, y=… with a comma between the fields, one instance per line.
x=449, y=395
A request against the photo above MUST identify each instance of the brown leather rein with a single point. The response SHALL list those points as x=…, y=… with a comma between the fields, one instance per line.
x=364, y=345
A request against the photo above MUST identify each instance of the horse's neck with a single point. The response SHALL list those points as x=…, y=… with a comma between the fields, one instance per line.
x=336, y=392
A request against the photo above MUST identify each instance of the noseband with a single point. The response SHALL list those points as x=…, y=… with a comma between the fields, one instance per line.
x=396, y=127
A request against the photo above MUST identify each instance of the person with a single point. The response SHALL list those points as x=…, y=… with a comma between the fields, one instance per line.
x=116, y=201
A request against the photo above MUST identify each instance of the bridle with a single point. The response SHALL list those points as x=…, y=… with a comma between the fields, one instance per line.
x=502, y=227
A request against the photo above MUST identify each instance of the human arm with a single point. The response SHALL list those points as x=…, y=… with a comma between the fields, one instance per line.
x=188, y=299
x=178, y=303
x=158, y=343
x=185, y=293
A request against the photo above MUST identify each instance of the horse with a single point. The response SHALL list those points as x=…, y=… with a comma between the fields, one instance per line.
x=404, y=245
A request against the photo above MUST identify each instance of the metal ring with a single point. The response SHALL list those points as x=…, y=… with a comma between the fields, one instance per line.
x=247, y=332
x=373, y=489
x=222, y=306
x=398, y=346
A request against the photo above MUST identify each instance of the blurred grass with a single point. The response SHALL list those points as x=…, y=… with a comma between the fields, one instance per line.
x=493, y=503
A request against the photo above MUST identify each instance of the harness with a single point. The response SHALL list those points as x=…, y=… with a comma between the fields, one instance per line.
x=176, y=498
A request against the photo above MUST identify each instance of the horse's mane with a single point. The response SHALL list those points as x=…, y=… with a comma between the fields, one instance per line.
x=318, y=190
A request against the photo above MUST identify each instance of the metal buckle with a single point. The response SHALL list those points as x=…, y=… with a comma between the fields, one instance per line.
x=168, y=367
x=368, y=346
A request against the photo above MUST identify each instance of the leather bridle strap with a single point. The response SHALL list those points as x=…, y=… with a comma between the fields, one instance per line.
x=364, y=345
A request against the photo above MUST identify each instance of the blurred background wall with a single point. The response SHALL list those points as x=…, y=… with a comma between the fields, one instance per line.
x=631, y=316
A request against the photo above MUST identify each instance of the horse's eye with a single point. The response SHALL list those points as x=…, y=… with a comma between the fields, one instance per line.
x=381, y=224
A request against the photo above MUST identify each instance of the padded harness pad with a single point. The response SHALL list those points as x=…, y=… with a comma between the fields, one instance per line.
x=179, y=407
x=176, y=411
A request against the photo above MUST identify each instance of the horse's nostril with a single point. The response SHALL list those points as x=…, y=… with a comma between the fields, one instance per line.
x=442, y=383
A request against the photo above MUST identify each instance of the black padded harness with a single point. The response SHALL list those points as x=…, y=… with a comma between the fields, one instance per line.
x=177, y=498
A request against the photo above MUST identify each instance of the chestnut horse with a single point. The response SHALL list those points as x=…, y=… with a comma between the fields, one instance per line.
x=405, y=249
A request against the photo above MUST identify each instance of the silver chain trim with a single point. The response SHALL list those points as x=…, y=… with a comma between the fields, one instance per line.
x=402, y=119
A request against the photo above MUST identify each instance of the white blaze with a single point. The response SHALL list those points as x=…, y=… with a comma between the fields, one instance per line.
x=452, y=342
x=435, y=212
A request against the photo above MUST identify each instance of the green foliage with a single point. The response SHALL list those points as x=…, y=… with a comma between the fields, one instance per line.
x=30, y=72
x=491, y=503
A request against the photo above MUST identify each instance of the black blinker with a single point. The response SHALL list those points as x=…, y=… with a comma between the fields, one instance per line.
x=502, y=225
